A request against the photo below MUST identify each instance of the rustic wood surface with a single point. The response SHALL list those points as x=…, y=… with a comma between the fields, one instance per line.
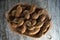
x=53, y=7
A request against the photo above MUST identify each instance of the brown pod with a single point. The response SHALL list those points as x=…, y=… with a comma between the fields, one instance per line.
x=46, y=28
x=33, y=32
x=28, y=23
x=18, y=11
x=35, y=16
x=33, y=22
x=40, y=12
x=13, y=25
x=16, y=20
x=21, y=29
x=32, y=9
x=26, y=14
x=42, y=18
x=21, y=22
x=31, y=28
x=39, y=24
x=47, y=24
x=13, y=13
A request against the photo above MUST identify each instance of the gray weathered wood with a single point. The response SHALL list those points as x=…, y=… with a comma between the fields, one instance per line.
x=53, y=8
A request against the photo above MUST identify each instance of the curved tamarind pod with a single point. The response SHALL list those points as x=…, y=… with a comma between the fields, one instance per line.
x=18, y=11
x=13, y=25
x=46, y=28
x=13, y=13
x=42, y=18
x=39, y=24
x=32, y=9
x=28, y=23
x=33, y=22
x=26, y=14
x=31, y=28
x=47, y=24
x=40, y=12
x=33, y=32
x=22, y=29
x=21, y=22
x=15, y=20
x=44, y=11
x=35, y=16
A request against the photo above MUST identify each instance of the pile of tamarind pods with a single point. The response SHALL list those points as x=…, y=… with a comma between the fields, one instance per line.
x=28, y=20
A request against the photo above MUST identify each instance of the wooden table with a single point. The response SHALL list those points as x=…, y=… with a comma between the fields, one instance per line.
x=53, y=7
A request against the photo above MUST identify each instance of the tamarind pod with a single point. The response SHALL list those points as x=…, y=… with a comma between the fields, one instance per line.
x=39, y=24
x=39, y=12
x=31, y=28
x=28, y=23
x=46, y=28
x=13, y=25
x=18, y=11
x=13, y=13
x=35, y=16
x=33, y=32
x=22, y=29
x=32, y=9
x=21, y=22
x=42, y=18
x=26, y=14
x=33, y=22
x=47, y=24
